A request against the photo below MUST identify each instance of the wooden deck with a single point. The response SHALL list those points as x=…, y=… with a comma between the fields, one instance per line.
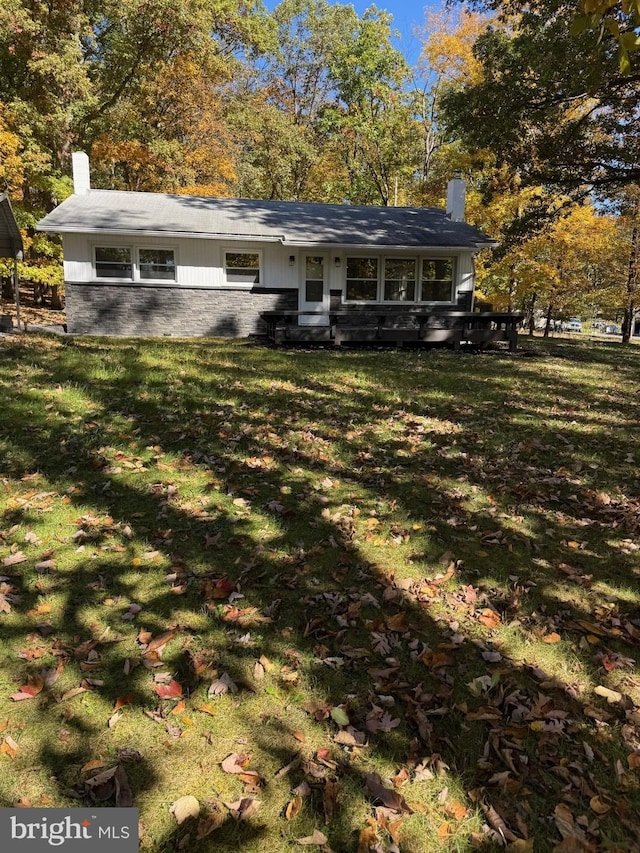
x=380, y=326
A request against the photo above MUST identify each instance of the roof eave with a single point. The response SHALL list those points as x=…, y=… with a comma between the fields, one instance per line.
x=135, y=233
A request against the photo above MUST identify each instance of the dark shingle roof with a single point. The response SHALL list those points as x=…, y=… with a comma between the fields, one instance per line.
x=10, y=237
x=289, y=222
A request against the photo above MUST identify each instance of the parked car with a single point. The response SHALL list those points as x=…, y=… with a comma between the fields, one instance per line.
x=611, y=330
x=574, y=325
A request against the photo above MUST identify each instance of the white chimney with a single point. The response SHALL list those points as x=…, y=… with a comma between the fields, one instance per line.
x=81, y=177
x=456, y=191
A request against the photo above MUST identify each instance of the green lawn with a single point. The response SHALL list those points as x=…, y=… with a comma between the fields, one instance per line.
x=399, y=588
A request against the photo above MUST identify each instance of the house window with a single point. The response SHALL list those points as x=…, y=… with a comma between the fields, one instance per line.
x=113, y=262
x=362, y=279
x=242, y=267
x=437, y=280
x=399, y=280
x=157, y=264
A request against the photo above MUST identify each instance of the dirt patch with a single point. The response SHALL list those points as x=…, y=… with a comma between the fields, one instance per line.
x=30, y=313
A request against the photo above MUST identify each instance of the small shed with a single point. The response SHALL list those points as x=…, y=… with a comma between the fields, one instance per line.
x=11, y=246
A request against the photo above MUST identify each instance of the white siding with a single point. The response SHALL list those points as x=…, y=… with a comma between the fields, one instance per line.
x=465, y=273
x=199, y=262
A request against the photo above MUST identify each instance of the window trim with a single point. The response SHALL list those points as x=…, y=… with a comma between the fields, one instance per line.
x=239, y=285
x=419, y=259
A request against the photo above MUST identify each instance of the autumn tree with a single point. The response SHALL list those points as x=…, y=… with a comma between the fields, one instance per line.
x=555, y=108
x=446, y=62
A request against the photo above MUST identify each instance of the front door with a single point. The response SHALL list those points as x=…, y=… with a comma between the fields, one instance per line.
x=314, y=291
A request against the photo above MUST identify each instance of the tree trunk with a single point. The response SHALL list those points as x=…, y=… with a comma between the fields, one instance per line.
x=56, y=300
x=633, y=274
x=548, y=323
x=532, y=315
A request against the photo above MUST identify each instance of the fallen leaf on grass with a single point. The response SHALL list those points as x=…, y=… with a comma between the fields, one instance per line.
x=244, y=808
x=612, y=696
x=330, y=800
x=9, y=747
x=387, y=796
x=223, y=684
x=489, y=618
x=318, y=838
x=14, y=559
x=293, y=808
x=124, y=795
x=173, y=690
x=367, y=840
x=33, y=687
x=553, y=637
x=185, y=808
x=339, y=716
x=92, y=765
x=209, y=824
x=235, y=763
x=7, y=597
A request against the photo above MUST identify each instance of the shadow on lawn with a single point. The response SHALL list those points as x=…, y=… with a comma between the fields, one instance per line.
x=419, y=443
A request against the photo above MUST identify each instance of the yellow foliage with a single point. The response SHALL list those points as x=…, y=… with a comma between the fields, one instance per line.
x=448, y=44
x=11, y=165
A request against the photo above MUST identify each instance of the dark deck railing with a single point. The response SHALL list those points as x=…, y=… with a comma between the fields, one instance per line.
x=388, y=325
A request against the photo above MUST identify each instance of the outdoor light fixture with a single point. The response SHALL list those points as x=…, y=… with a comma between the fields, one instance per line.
x=337, y=261
x=292, y=260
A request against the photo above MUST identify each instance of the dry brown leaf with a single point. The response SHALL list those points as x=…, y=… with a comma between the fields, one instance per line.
x=9, y=747
x=244, y=808
x=209, y=824
x=173, y=690
x=387, y=796
x=184, y=808
x=124, y=795
x=235, y=763
x=318, y=838
x=293, y=808
x=330, y=800
x=489, y=618
x=553, y=637
x=92, y=765
x=444, y=831
x=367, y=839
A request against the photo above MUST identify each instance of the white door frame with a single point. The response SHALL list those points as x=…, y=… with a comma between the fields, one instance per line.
x=305, y=304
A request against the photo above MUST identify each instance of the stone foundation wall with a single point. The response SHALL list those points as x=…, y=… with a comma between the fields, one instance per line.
x=136, y=311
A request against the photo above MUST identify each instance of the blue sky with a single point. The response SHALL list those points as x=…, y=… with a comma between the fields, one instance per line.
x=407, y=14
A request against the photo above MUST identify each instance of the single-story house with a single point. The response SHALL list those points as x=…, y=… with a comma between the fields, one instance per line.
x=139, y=263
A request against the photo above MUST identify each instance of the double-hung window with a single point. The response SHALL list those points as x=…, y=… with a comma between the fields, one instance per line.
x=362, y=279
x=242, y=268
x=399, y=280
x=157, y=264
x=437, y=280
x=114, y=262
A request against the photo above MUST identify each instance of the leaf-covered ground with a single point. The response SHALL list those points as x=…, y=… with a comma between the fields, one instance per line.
x=356, y=601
